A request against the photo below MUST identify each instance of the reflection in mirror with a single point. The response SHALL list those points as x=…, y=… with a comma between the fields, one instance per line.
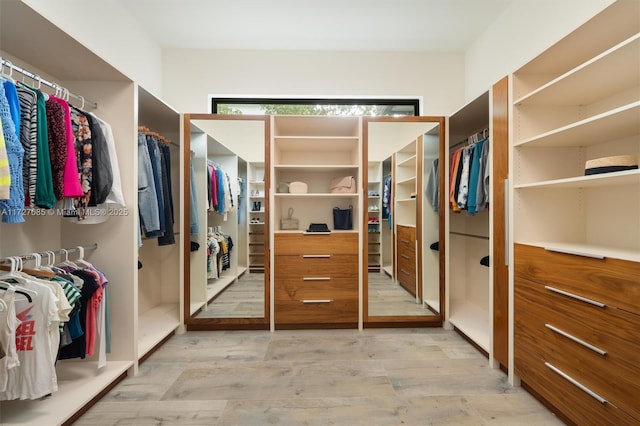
x=404, y=220
x=227, y=254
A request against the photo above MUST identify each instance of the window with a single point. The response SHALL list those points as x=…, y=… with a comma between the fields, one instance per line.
x=316, y=106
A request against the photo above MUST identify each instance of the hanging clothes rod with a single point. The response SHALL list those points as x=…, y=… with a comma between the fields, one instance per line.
x=472, y=139
x=61, y=251
x=482, y=237
x=158, y=136
x=40, y=80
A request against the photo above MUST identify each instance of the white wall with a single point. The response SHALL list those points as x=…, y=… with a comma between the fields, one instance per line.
x=191, y=75
x=106, y=28
x=524, y=30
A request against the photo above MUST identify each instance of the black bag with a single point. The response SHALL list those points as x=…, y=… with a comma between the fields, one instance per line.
x=342, y=218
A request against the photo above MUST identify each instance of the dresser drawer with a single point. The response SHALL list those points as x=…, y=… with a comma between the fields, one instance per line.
x=576, y=404
x=322, y=244
x=308, y=302
x=597, y=346
x=406, y=239
x=609, y=281
x=298, y=266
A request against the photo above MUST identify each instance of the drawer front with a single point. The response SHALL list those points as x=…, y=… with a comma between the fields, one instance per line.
x=299, y=289
x=567, y=397
x=312, y=266
x=406, y=238
x=309, y=243
x=596, y=346
x=308, y=302
x=609, y=281
x=408, y=259
x=321, y=312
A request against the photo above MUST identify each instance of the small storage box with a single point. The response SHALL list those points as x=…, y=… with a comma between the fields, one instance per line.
x=298, y=188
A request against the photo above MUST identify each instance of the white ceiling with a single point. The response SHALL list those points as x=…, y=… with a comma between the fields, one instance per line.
x=381, y=25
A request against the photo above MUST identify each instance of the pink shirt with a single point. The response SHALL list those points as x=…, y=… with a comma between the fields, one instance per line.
x=71, y=178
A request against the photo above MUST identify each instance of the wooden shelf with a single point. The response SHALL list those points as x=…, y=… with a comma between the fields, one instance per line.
x=78, y=383
x=155, y=325
x=627, y=177
x=615, y=124
x=614, y=71
x=315, y=167
x=472, y=320
x=318, y=195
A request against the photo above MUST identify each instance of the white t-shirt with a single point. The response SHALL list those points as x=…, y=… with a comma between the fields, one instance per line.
x=8, y=324
x=36, y=376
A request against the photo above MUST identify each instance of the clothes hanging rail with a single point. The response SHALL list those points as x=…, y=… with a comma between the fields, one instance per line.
x=57, y=252
x=472, y=138
x=40, y=80
x=163, y=139
x=482, y=237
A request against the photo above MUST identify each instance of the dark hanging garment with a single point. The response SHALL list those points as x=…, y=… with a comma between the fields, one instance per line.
x=165, y=165
x=102, y=174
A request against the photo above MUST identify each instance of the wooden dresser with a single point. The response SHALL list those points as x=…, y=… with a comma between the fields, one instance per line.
x=316, y=279
x=577, y=334
x=406, y=240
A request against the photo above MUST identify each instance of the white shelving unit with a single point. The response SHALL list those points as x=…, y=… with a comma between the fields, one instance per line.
x=314, y=150
x=256, y=215
x=559, y=125
x=374, y=216
x=573, y=233
x=141, y=315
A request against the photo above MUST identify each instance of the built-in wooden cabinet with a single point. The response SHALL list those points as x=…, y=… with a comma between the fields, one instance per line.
x=316, y=274
x=577, y=236
x=316, y=279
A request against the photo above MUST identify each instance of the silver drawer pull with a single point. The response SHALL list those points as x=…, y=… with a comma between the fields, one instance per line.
x=316, y=278
x=575, y=296
x=316, y=256
x=404, y=256
x=405, y=271
x=575, y=339
x=317, y=300
x=577, y=383
x=405, y=241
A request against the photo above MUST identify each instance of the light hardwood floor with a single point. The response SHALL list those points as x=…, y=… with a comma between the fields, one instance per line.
x=317, y=377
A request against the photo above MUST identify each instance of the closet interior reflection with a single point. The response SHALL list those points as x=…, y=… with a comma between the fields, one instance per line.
x=403, y=242
x=225, y=275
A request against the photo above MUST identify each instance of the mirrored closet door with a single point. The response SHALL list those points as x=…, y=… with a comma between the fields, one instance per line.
x=226, y=195
x=404, y=275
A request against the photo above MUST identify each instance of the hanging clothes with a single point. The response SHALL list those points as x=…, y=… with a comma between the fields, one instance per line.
x=36, y=375
x=11, y=208
x=194, y=222
x=432, y=190
x=29, y=140
x=71, y=180
x=469, y=178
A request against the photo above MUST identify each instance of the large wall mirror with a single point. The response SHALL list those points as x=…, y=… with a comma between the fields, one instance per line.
x=404, y=242
x=226, y=204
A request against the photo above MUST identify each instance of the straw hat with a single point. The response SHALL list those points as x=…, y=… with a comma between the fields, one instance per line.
x=615, y=163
